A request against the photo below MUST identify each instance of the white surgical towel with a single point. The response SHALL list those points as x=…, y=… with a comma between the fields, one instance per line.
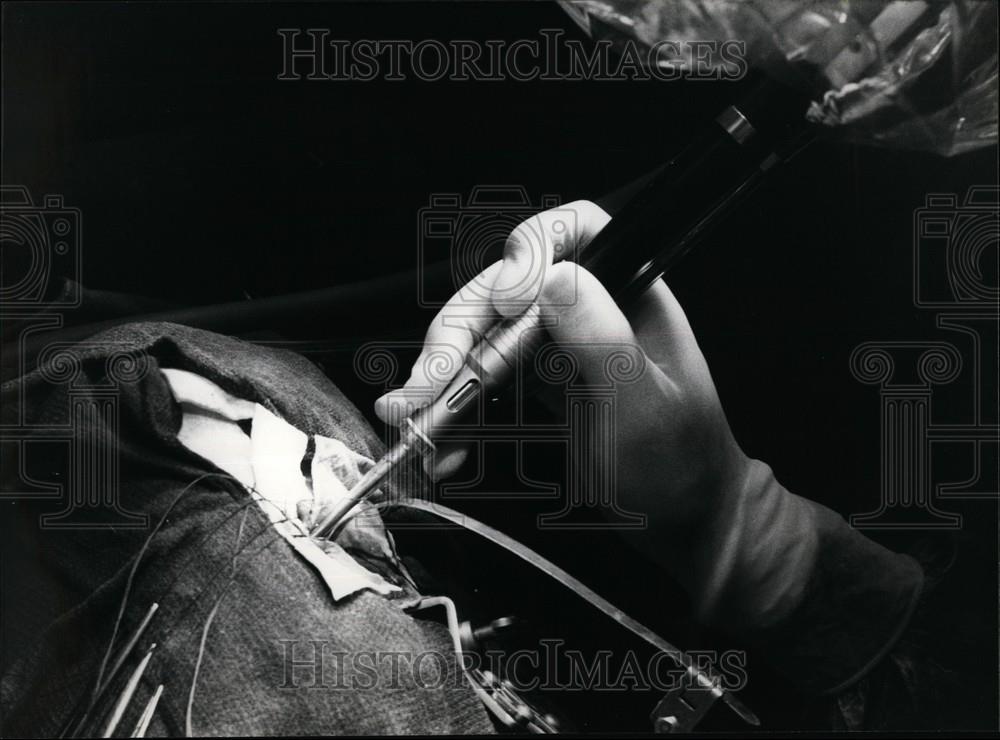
x=268, y=463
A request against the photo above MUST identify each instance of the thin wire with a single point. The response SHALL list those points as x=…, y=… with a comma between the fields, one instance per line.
x=573, y=584
x=201, y=654
x=129, y=647
x=169, y=632
x=208, y=625
x=211, y=618
x=131, y=578
x=147, y=714
x=123, y=701
x=72, y=722
x=81, y=711
x=243, y=507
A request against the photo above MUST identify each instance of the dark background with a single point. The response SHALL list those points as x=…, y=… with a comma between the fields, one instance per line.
x=203, y=179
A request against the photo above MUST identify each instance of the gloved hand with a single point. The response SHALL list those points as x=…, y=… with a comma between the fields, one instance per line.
x=746, y=550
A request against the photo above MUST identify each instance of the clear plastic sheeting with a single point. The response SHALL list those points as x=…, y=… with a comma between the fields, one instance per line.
x=911, y=74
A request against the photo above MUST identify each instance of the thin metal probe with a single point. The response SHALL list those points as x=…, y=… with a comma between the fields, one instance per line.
x=126, y=696
x=369, y=483
x=84, y=708
x=147, y=714
x=129, y=647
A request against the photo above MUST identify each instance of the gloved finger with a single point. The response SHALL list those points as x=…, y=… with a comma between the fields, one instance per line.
x=505, y=287
x=665, y=333
x=537, y=243
x=656, y=411
x=658, y=324
x=450, y=335
x=593, y=332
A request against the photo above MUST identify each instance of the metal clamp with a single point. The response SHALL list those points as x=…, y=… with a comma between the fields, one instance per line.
x=684, y=707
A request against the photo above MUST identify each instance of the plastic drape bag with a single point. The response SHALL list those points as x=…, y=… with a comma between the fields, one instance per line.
x=911, y=74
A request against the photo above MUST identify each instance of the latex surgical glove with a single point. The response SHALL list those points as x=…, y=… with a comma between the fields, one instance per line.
x=750, y=554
